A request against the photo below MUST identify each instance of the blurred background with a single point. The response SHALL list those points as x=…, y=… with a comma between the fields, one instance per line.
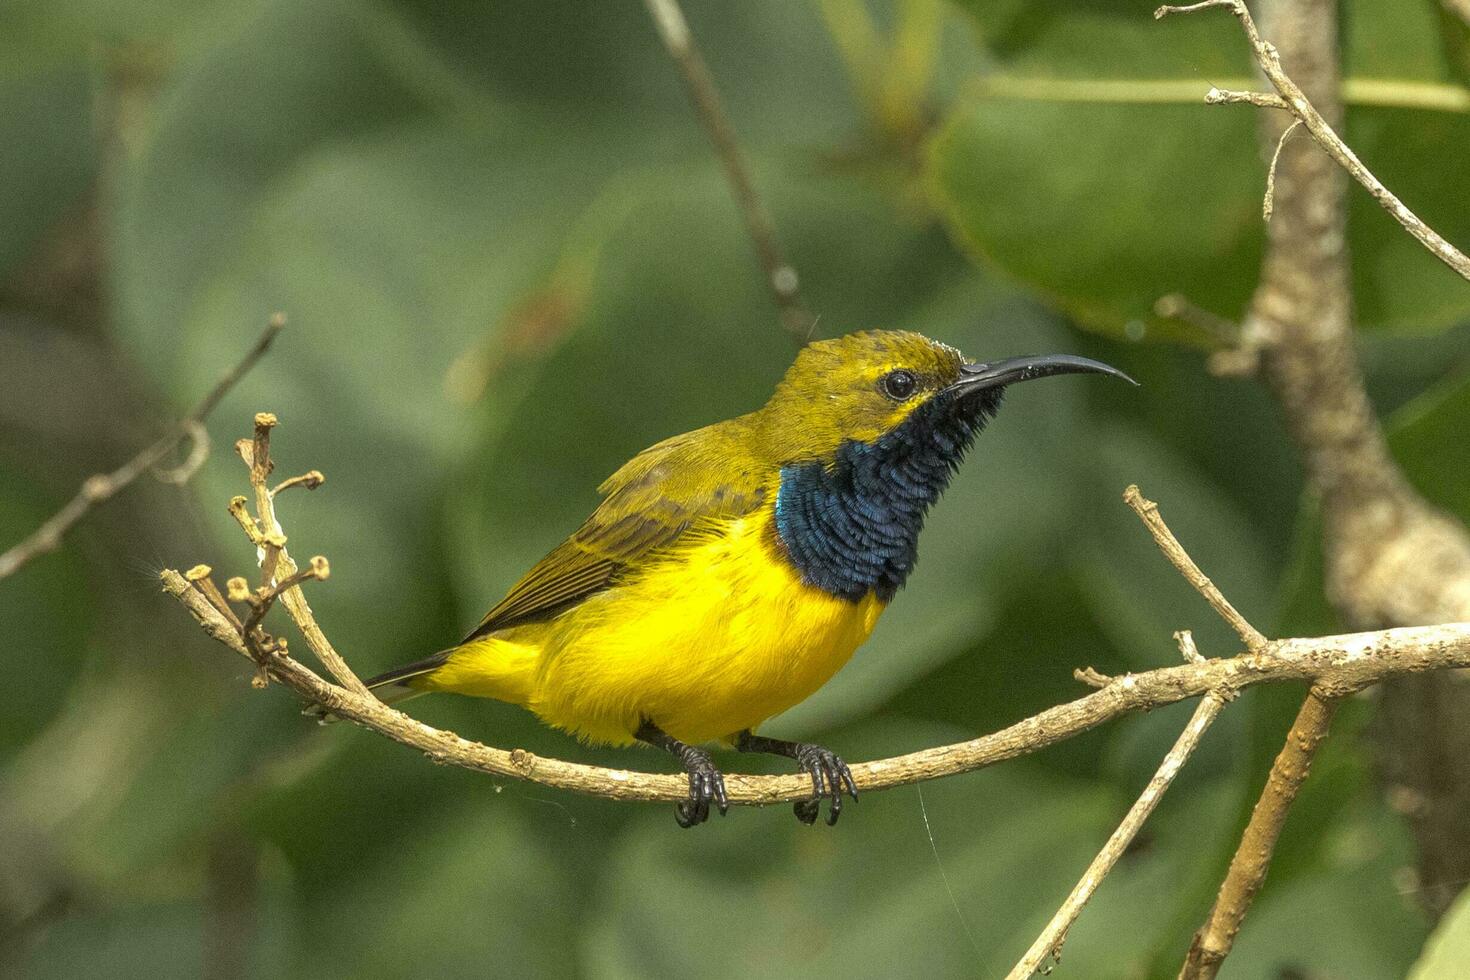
x=510, y=261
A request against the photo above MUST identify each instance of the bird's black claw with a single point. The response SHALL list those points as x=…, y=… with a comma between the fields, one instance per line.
x=706, y=786
x=807, y=811
x=830, y=779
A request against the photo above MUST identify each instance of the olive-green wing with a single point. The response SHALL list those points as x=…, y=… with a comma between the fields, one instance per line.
x=647, y=506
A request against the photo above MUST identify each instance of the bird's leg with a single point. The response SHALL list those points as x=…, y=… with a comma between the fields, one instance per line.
x=830, y=775
x=706, y=785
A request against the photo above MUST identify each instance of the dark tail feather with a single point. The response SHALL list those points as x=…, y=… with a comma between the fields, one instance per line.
x=392, y=686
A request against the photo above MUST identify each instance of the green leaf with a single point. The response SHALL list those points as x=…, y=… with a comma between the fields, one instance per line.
x=1088, y=167
x=1447, y=954
x=1422, y=431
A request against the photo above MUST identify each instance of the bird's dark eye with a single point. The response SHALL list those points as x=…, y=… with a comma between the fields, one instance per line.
x=900, y=385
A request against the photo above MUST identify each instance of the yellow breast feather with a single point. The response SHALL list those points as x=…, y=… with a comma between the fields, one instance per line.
x=708, y=641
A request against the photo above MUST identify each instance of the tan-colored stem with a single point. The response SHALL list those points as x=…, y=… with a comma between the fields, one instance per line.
x=1257, y=845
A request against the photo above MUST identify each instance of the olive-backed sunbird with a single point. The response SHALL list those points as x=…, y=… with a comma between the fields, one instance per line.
x=730, y=572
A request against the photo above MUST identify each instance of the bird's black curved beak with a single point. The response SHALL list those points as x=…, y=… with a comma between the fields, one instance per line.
x=1011, y=370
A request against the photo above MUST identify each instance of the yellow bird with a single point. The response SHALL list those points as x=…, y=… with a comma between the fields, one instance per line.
x=731, y=571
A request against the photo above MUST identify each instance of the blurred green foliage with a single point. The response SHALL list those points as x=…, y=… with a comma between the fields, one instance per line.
x=510, y=262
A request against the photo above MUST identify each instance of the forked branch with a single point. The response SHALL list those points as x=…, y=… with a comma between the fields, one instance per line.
x=1293, y=100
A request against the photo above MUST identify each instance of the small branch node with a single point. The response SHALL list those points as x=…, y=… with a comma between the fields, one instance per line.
x=1187, y=647
x=237, y=589
x=1092, y=678
x=260, y=447
x=238, y=511
x=96, y=489
x=309, y=481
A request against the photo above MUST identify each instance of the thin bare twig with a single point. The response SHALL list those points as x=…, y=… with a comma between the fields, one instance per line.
x=1148, y=512
x=1268, y=203
x=1048, y=945
x=1257, y=845
x=1177, y=306
x=102, y=487
x=198, y=437
x=1296, y=102
x=780, y=275
x=1263, y=100
x=199, y=576
x=309, y=481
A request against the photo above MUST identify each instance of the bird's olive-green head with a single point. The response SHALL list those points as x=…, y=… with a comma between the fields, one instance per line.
x=867, y=430
x=857, y=388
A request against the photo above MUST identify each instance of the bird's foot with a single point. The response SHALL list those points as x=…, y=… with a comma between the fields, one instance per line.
x=706, y=786
x=830, y=779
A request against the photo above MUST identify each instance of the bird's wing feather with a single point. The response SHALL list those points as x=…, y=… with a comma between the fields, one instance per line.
x=647, y=506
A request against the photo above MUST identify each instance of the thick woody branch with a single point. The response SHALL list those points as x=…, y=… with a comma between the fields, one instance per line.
x=1258, y=844
x=1337, y=663
x=1296, y=102
x=780, y=275
x=102, y=487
